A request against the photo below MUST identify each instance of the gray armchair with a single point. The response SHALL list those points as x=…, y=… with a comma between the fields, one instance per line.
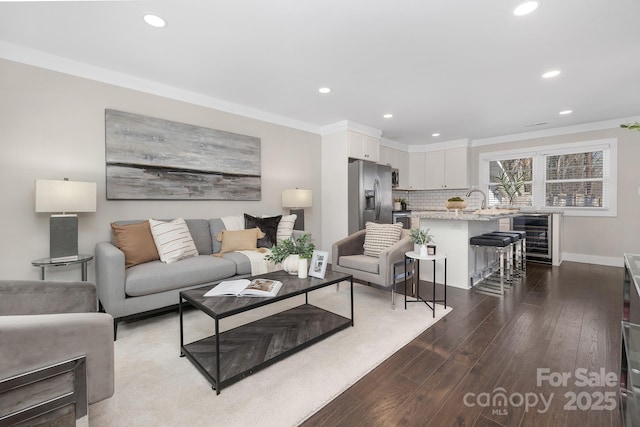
x=347, y=257
x=43, y=323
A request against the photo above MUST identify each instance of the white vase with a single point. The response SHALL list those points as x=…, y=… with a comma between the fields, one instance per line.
x=290, y=264
x=423, y=250
x=397, y=206
x=303, y=268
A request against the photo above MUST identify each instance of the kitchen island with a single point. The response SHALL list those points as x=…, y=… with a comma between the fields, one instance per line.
x=451, y=233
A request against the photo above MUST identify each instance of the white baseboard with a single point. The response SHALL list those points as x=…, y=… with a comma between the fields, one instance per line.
x=594, y=259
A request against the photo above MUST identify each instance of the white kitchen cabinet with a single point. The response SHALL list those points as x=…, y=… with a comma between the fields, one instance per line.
x=364, y=147
x=434, y=170
x=396, y=159
x=417, y=175
x=446, y=169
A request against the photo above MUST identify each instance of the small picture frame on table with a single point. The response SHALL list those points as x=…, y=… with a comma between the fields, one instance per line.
x=318, y=266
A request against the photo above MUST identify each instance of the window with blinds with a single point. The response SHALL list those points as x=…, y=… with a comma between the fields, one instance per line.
x=511, y=181
x=577, y=178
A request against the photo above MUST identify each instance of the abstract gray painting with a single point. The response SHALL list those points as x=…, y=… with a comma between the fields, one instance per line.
x=155, y=159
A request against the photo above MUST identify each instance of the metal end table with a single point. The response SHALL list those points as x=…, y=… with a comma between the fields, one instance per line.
x=48, y=262
x=416, y=286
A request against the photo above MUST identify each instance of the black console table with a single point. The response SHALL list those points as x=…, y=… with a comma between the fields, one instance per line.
x=630, y=354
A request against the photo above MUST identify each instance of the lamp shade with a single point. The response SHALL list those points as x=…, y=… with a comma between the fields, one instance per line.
x=65, y=196
x=296, y=198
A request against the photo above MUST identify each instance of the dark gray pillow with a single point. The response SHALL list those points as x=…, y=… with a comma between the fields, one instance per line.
x=269, y=227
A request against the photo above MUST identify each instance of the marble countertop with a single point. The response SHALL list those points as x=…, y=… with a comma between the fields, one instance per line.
x=460, y=215
x=478, y=215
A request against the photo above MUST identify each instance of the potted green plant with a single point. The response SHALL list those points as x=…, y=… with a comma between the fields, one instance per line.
x=294, y=254
x=420, y=237
x=632, y=126
x=511, y=184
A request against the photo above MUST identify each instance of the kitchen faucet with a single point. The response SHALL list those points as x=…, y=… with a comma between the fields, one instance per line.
x=484, y=197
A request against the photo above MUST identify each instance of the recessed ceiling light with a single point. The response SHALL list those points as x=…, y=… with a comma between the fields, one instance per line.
x=388, y=116
x=155, y=21
x=435, y=134
x=525, y=8
x=550, y=74
x=565, y=112
x=324, y=90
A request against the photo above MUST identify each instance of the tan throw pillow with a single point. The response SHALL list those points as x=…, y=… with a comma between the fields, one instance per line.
x=239, y=240
x=379, y=237
x=136, y=241
x=173, y=240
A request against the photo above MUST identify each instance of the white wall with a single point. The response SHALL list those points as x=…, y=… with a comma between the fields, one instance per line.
x=598, y=240
x=52, y=126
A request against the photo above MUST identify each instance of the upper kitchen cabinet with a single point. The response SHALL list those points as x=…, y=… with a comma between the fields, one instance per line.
x=364, y=147
x=397, y=159
x=417, y=171
x=446, y=169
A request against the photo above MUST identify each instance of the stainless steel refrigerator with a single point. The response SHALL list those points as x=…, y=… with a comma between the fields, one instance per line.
x=370, y=197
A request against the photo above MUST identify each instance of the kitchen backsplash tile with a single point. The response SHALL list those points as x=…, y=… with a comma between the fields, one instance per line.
x=434, y=200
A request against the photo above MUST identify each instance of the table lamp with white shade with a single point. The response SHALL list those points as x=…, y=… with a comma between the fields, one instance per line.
x=297, y=199
x=65, y=199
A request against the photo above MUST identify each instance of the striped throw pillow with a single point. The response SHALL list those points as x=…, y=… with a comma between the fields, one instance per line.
x=173, y=240
x=378, y=237
x=285, y=227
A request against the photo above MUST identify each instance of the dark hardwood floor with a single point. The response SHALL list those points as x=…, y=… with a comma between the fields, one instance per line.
x=562, y=318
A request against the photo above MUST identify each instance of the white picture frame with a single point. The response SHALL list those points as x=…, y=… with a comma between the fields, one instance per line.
x=319, y=262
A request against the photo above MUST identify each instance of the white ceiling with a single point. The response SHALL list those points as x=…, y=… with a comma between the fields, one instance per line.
x=464, y=68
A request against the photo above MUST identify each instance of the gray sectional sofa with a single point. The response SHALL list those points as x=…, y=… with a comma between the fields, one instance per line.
x=154, y=286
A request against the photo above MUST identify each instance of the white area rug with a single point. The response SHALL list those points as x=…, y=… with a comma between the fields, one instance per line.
x=156, y=387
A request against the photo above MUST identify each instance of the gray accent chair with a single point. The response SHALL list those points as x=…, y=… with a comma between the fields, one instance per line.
x=347, y=256
x=43, y=323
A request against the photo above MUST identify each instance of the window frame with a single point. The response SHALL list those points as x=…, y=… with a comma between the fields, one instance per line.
x=608, y=146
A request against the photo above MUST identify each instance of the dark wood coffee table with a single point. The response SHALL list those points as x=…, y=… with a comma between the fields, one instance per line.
x=241, y=351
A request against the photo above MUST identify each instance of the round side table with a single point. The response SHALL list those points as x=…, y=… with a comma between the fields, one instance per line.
x=433, y=258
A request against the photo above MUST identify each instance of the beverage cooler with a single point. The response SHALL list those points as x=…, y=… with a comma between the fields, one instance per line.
x=539, y=228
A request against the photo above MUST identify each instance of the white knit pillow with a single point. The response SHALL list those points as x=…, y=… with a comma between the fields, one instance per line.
x=173, y=240
x=378, y=237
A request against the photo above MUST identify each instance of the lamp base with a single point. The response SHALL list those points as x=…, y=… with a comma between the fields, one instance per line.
x=63, y=238
x=299, y=224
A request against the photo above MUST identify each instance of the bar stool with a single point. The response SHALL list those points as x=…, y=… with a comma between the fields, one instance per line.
x=501, y=246
x=519, y=255
x=512, y=253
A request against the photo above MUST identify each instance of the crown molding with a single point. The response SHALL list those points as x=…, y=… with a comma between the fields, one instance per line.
x=36, y=58
x=565, y=130
x=393, y=144
x=59, y=64
x=346, y=125
x=437, y=146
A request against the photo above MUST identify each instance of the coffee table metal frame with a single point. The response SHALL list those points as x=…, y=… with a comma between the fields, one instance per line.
x=219, y=308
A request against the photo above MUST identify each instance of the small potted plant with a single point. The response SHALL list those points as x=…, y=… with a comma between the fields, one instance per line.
x=294, y=254
x=420, y=237
x=455, y=203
